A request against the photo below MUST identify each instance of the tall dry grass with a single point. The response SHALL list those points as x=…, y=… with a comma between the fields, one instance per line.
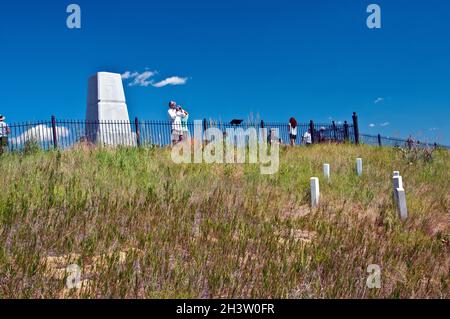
x=142, y=227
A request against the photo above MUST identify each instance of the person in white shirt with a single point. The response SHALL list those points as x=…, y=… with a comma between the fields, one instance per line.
x=293, y=128
x=175, y=115
x=4, y=132
x=307, y=138
x=184, y=123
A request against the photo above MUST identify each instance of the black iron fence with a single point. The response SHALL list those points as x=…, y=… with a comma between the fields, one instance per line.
x=64, y=134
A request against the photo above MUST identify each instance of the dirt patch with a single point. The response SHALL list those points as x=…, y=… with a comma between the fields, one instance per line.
x=298, y=236
x=297, y=213
x=61, y=267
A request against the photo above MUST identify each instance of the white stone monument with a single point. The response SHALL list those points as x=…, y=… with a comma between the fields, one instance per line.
x=107, y=120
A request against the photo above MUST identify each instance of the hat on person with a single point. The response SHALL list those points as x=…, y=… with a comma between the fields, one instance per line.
x=2, y=118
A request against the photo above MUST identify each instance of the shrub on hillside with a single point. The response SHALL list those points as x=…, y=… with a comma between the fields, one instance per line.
x=416, y=154
x=31, y=146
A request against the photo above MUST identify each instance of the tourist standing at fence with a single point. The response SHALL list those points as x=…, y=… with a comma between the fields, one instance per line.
x=293, y=129
x=307, y=138
x=180, y=116
x=175, y=116
x=410, y=142
x=4, y=132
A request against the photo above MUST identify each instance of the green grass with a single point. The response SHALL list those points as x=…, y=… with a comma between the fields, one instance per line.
x=209, y=231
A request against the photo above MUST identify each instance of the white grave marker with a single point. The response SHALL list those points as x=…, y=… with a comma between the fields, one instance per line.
x=359, y=166
x=326, y=171
x=315, y=192
x=401, y=203
x=397, y=182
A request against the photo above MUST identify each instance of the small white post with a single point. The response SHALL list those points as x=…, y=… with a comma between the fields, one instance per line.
x=315, y=192
x=326, y=171
x=401, y=203
x=359, y=166
x=397, y=182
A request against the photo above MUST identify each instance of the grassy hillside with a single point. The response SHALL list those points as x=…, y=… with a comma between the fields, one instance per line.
x=142, y=227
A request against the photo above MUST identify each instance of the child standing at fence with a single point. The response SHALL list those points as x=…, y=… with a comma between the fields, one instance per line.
x=184, y=124
x=4, y=132
x=307, y=138
x=293, y=127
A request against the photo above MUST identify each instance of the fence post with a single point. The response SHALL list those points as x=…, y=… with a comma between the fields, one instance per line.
x=356, y=127
x=138, y=132
x=311, y=128
x=262, y=124
x=346, y=133
x=55, y=136
x=205, y=127
x=335, y=131
x=379, y=140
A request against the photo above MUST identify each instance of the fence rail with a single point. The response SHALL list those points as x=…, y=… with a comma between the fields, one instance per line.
x=397, y=142
x=64, y=134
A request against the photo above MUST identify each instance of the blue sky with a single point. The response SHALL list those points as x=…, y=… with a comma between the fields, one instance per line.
x=276, y=59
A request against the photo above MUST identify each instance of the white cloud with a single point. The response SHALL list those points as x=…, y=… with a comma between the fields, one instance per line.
x=174, y=80
x=145, y=79
x=385, y=124
x=379, y=100
x=142, y=79
x=372, y=125
x=139, y=79
x=127, y=75
x=40, y=133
